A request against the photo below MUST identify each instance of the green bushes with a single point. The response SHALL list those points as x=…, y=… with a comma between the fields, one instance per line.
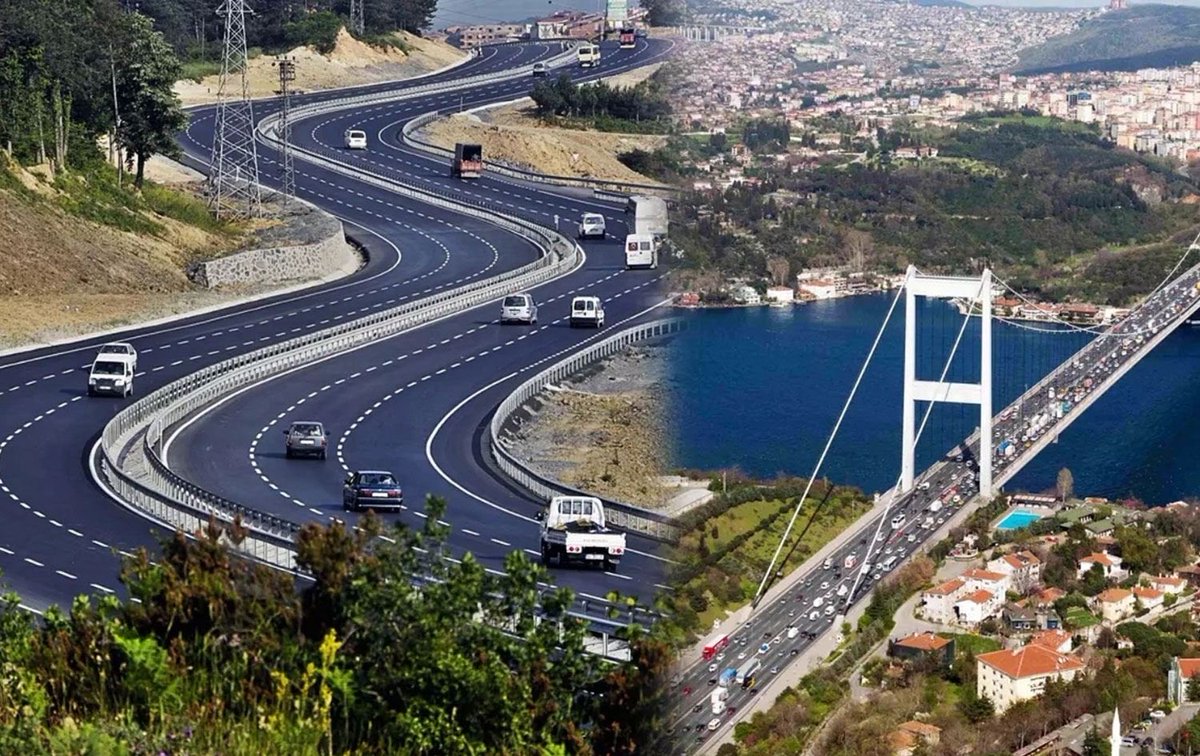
x=317, y=29
x=223, y=655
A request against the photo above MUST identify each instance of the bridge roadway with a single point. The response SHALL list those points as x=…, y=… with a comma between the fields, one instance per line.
x=1103, y=360
x=62, y=533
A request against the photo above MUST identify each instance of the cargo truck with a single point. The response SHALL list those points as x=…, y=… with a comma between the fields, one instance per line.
x=649, y=215
x=468, y=161
x=715, y=645
x=628, y=38
x=574, y=531
x=727, y=677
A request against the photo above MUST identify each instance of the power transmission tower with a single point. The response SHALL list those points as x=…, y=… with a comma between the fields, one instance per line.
x=287, y=74
x=356, y=17
x=233, y=173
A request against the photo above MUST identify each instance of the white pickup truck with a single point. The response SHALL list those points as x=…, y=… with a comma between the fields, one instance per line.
x=574, y=531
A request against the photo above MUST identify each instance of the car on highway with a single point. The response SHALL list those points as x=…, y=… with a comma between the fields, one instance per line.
x=587, y=311
x=540, y=69
x=355, y=139
x=911, y=537
x=518, y=308
x=828, y=563
x=591, y=226
x=111, y=374
x=829, y=610
x=305, y=438
x=897, y=521
x=814, y=616
x=792, y=631
x=741, y=655
x=764, y=648
x=371, y=489
x=714, y=723
x=118, y=348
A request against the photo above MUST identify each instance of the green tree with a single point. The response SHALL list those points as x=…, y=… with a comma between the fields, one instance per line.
x=1193, y=688
x=1094, y=744
x=976, y=708
x=146, y=72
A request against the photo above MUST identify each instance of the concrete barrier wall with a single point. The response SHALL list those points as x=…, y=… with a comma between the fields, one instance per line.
x=280, y=264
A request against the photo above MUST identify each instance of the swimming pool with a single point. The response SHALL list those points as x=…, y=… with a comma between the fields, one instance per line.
x=1018, y=519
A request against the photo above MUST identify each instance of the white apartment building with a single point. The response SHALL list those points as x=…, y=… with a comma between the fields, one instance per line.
x=1010, y=676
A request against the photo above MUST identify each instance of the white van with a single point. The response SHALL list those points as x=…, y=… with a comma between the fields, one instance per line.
x=587, y=311
x=591, y=226
x=641, y=251
x=588, y=55
x=111, y=374
x=356, y=139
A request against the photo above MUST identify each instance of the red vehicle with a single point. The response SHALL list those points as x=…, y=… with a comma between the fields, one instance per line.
x=628, y=38
x=714, y=645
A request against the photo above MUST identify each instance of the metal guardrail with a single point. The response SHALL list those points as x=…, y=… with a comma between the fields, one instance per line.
x=407, y=134
x=626, y=516
x=375, y=98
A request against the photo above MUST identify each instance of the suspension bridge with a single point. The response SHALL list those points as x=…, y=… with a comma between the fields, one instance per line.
x=960, y=359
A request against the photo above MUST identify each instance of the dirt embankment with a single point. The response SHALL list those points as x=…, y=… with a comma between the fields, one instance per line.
x=63, y=275
x=351, y=62
x=605, y=430
x=514, y=135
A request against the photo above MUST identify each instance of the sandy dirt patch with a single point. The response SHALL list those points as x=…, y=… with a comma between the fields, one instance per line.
x=513, y=134
x=604, y=431
x=351, y=62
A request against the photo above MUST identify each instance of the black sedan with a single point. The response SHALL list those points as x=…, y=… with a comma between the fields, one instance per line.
x=371, y=489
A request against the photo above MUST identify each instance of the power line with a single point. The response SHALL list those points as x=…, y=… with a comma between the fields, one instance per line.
x=233, y=172
x=287, y=74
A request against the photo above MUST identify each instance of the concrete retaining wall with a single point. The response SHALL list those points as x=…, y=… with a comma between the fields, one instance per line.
x=311, y=245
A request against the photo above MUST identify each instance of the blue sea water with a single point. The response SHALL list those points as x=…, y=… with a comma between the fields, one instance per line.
x=761, y=388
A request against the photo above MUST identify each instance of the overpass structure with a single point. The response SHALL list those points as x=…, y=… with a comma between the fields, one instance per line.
x=793, y=620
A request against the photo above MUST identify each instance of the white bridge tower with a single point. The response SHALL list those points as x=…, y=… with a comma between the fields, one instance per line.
x=977, y=292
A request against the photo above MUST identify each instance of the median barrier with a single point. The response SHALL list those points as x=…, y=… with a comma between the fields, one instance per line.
x=625, y=516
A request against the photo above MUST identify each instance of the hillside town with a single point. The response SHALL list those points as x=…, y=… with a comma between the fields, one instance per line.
x=1051, y=594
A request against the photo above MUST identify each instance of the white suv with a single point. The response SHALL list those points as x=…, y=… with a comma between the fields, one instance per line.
x=587, y=311
x=356, y=140
x=591, y=226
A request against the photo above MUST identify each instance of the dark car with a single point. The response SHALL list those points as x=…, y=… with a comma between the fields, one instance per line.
x=371, y=489
x=305, y=438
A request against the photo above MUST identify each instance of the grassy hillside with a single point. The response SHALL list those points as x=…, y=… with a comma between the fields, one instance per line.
x=1140, y=37
x=88, y=253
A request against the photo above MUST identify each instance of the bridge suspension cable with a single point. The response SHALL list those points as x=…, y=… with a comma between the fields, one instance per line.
x=824, y=452
x=866, y=560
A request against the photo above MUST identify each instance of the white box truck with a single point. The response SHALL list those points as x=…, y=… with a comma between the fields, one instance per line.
x=649, y=215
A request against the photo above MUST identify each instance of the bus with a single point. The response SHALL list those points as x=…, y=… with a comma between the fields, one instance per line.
x=628, y=38
x=641, y=251
x=747, y=672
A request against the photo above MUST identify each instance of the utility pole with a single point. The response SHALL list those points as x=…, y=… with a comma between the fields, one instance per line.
x=357, y=24
x=113, y=149
x=233, y=172
x=287, y=74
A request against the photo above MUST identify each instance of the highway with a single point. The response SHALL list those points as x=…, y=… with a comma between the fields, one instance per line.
x=63, y=534
x=1029, y=423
